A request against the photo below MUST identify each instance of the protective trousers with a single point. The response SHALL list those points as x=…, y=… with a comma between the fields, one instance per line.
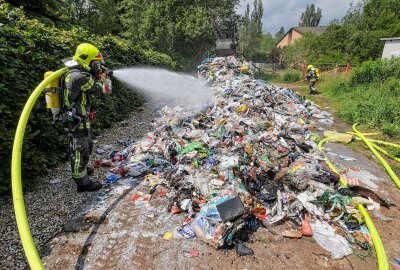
x=312, y=85
x=81, y=146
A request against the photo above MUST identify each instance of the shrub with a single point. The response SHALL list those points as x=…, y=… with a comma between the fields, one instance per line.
x=291, y=76
x=375, y=71
x=371, y=96
x=375, y=104
x=339, y=87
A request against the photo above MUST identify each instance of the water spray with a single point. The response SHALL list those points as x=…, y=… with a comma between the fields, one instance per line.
x=163, y=84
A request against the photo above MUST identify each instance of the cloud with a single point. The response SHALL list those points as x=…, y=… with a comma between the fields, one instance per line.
x=287, y=14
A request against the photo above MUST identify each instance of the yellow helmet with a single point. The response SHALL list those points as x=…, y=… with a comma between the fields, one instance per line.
x=85, y=53
x=310, y=67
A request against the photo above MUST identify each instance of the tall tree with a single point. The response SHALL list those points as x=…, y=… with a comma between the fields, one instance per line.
x=250, y=30
x=310, y=17
x=256, y=18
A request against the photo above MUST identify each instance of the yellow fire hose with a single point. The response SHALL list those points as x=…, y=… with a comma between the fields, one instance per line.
x=383, y=151
x=384, y=143
x=376, y=239
x=378, y=156
x=330, y=164
x=380, y=149
x=18, y=198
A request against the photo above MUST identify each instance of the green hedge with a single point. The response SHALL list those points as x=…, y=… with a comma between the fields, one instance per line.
x=375, y=71
x=28, y=48
x=372, y=96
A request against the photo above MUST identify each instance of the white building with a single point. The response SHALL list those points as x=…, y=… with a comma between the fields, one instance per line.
x=392, y=47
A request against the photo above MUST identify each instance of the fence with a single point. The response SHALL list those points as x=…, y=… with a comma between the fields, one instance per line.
x=326, y=67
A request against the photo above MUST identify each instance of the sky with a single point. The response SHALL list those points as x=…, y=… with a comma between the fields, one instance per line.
x=287, y=13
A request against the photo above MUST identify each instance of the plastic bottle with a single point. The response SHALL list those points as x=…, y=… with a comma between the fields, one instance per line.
x=111, y=178
x=107, y=85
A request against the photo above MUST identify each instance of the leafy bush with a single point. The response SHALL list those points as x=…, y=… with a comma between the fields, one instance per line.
x=372, y=96
x=291, y=76
x=339, y=87
x=28, y=49
x=375, y=71
x=270, y=76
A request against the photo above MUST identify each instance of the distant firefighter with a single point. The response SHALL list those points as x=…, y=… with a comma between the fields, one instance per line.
x=312, y=77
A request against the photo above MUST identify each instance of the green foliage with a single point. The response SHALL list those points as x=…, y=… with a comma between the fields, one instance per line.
x=267, y=52
x=182, y=29
x=97, y=16
x=47, y=11
x=306, y=49
x=250, y=31
x=291, y=76
x=280, y=33
x=28, y=48
x=339, y=88
x=354, y=39
x=372, y=96
x=186, y=30
x=375, y=71
x=310, y=17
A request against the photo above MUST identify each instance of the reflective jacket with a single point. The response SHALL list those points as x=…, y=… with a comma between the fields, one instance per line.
x=312, y=75
x=78, y=89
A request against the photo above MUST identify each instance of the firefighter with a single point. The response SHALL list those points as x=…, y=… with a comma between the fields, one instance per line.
x=85, y=77
x=312, y=77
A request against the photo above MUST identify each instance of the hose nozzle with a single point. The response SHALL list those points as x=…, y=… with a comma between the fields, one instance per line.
x=107, y=71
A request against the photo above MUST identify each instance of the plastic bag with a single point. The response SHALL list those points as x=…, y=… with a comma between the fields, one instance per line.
x=229, y=162
x=329, y=240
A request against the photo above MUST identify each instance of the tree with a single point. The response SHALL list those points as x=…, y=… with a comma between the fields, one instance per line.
x=250, y=30
x=256, y=18
x=183, y=29
x=266, y=50
x=97, y=16
x=47, y=11
x=280, y=33
x=310, y=17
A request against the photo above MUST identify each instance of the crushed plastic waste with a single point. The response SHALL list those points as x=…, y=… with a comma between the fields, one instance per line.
x=243, y=250
x=55, y=180
x=397, y=261
x=168, y=235
x=193, y=253
x=244, y=161
x=327, y=238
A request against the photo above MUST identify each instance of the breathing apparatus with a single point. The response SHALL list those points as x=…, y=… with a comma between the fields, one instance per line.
x=87, y=57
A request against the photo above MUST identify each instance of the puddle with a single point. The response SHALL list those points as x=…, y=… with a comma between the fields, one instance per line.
x=366, y=177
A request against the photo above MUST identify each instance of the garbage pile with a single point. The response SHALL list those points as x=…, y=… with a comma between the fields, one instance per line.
x=247, y=160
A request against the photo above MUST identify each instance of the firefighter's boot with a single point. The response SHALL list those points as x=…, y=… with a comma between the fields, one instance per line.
x=87, y=185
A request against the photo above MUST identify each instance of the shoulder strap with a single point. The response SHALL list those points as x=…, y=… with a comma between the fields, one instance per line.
x=63, y=87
